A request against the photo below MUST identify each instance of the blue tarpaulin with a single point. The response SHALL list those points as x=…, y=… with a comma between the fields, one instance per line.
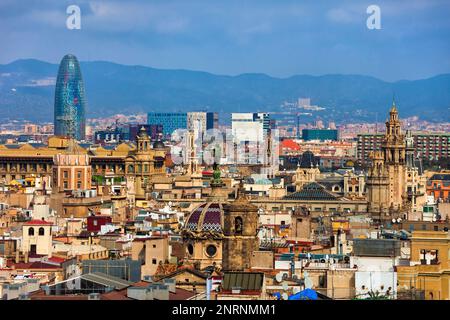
x=307, y=294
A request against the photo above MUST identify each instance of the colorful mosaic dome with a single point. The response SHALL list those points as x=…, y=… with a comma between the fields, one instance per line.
x=206, y=217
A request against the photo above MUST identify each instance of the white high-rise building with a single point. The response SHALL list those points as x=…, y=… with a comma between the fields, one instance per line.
x=251, y=127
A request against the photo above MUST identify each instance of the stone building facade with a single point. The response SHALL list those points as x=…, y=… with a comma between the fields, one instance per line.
x=390, y=177
x=240, y=233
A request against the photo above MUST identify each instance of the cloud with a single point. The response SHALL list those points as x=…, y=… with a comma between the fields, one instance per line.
x=122, y=17
x=341, y=15
x=233, y=36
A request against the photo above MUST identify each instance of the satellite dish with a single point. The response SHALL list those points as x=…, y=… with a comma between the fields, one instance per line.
x=399, y=220
x=285, y=286
x=295, y=277
x=284, y=296
x=279, y=277
x=393, y=220
x=285, y=276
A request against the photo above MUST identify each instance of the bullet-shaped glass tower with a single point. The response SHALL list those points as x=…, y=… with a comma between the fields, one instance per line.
x=70, y=100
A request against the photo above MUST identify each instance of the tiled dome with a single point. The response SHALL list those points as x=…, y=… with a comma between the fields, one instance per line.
x=206, y=217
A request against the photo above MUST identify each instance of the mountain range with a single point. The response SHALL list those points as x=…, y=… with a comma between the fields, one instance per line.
x=27, y=92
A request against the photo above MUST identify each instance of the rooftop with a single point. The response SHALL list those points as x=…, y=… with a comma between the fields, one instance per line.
x=312, y=191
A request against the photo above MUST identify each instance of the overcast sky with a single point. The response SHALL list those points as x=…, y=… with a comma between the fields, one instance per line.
x=278, y=37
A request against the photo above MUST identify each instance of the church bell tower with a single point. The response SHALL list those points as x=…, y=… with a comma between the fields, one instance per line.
x=240, y=233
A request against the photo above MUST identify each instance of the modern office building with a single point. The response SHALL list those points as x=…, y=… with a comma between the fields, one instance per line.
x=153, y=130
x=430, y=146
x=108, y=136
x=250, y=126
x=127, y=133
x=320, y=134
x=169, y=120
x=70, y=100
x=202, y=121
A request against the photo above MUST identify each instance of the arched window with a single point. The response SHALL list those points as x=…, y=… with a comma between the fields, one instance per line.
x=31, y=231
x=41, y=231
x=238, y=225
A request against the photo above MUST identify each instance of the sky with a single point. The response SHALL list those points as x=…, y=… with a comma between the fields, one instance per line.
x=278, y=37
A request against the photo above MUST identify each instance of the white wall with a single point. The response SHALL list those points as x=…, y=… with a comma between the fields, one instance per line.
x=375, y=281
x=375, y=274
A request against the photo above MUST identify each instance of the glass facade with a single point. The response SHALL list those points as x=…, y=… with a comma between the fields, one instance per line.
x=70, y=100
x=320, y=134
x=169, y=120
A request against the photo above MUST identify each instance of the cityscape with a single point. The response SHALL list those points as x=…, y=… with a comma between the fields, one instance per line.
x=295, y=198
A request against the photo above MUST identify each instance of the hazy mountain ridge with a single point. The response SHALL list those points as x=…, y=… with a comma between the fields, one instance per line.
x=114, y=88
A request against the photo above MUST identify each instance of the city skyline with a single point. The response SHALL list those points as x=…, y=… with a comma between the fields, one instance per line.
x=256, y=179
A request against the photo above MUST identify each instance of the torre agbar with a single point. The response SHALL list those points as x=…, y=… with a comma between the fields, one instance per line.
x=70, y=100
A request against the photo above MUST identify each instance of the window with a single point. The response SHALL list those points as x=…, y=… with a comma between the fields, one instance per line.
x=154, y=261
x=41, y=231
x=31, y=231
x=428, y=256
x=65, y=174
x=79, y=174
x=211, y=250
x=238, y=225
x=154, y=246
x=322, y=281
